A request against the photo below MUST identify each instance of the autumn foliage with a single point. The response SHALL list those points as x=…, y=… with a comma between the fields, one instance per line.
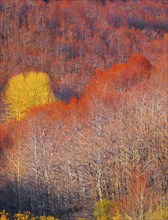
x=83, y=110
x=26, y=91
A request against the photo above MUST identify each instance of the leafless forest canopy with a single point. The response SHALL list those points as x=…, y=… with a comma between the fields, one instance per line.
x=83, y=108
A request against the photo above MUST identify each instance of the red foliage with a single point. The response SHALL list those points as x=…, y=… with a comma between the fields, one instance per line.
x=124, y=76
x=5, y=136
x=60, y=40
x=86, y=48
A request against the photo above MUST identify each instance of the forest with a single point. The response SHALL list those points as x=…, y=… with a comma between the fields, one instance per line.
x=83, y=109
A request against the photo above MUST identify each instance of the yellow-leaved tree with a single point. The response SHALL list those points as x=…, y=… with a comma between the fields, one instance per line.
x=25, y=91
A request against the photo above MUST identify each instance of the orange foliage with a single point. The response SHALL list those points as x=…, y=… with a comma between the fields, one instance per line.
x=5, y=135
x=119, y=78
x=87, y=53
x=104, y=86
x=62, y=41
x=124, y=76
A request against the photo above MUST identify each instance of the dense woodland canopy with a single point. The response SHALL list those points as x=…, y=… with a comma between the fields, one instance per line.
x=83, y=108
